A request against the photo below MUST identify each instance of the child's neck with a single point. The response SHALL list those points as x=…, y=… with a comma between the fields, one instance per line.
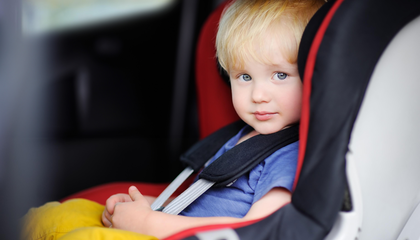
x=247, y=136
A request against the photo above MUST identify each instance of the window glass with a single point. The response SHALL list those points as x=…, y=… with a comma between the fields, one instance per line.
x=49, y=15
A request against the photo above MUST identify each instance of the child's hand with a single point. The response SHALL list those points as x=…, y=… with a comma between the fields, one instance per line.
x=132, y=215
x=111, y=202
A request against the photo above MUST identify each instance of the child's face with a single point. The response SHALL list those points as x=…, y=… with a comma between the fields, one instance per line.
x=267, y=96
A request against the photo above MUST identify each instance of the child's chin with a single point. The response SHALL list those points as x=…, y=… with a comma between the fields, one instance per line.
x=267, y=130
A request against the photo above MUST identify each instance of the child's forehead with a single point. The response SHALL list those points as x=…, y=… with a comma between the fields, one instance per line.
x=268, y=52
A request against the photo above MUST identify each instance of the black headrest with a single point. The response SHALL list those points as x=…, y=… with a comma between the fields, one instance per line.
x=309, y=34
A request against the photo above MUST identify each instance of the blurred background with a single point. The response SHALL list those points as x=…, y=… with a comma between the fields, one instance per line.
x=91, y=92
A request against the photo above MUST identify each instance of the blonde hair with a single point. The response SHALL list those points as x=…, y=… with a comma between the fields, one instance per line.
x=248, y=28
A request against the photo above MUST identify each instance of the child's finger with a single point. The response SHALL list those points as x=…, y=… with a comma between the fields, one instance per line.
x=107, y=215
x=134, y=193
x=114, y=199
x=105, y=220
x=110, y=204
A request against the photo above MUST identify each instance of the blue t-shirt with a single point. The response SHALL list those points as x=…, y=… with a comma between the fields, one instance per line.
x=277, y=170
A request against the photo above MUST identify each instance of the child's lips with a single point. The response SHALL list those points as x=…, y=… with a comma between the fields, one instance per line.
x=264, y=116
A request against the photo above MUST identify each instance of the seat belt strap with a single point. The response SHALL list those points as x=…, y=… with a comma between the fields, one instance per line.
x=227, y=168
x=169, y=190
x=188, y=196
x=196, y=157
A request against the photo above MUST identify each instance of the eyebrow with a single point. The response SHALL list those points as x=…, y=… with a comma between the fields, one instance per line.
x=288, y=66
x=283, y=64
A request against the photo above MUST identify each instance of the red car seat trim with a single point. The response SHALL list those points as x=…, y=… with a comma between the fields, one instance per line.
x=215, y=109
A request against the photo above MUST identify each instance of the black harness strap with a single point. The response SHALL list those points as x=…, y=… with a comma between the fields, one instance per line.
x=203, y=150
x=247, y=155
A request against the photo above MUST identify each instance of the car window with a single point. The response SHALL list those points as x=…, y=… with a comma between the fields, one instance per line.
x=50, y=15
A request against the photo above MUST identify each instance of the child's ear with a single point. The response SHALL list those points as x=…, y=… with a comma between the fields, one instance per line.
x=223, y=73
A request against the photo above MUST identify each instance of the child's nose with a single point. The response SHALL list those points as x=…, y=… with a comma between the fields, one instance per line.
x=260, y=93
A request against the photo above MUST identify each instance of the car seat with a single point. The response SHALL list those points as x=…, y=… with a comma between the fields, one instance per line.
x=357, y=172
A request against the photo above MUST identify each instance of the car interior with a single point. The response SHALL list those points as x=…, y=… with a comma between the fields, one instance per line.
x=93, y=105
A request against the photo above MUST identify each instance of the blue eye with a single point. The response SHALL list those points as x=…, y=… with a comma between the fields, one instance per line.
x=245, y=77
x=280, y=76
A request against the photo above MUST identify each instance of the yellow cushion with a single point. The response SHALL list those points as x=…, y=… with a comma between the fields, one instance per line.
x=104, y=234
x=73, y=219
